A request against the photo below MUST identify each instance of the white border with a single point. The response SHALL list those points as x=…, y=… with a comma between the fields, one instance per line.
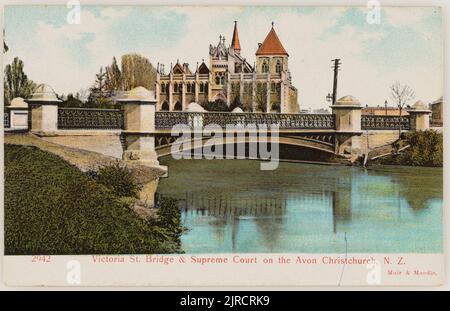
x=446, y=13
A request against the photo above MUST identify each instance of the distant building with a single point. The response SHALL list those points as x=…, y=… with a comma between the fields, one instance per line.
x=383, y=111
x=266, y=86
x=437, y=115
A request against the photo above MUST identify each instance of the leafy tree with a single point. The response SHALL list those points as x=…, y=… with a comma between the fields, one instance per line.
x=217, y=105
x=113, y=77
x=236, y=103
x=16, y=82
x=137, y=71
x=73, y=101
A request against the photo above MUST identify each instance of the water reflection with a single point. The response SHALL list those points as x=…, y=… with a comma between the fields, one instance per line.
x=231, y=206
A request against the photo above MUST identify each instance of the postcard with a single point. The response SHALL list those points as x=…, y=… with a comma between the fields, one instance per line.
x=223, y=145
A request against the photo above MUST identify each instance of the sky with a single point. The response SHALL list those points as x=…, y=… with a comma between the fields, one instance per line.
x=406, y=45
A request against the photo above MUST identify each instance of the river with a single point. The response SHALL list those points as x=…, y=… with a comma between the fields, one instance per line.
x=230, y=206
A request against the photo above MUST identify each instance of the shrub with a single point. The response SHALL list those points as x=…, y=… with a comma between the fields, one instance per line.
x=52, y=208
x=217, y=105
x=118, y=178
x=426, y=149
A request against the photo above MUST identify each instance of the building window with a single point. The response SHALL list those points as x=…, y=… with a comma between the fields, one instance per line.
x=165, y=106
x=163, y=88
x=279, y=67
x=202, y=88
x=264, y=67
x=175, y=88
x=220, y=78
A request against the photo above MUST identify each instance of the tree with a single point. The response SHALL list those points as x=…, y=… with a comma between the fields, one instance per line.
x=137, y=71
x=401, y=94
x=113, y=78
x=16, y=83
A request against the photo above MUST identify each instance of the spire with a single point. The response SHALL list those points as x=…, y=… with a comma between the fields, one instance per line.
x=235, y=44
x=271, y=45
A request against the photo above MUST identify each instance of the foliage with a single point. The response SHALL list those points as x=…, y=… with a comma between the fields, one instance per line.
x=426, y=149
x=72, y=101
x=16, y=82
x=169, y=217
x=118, y=178
x=137, y=71
x=217, y=105
x=236, y=103
x=52, y=208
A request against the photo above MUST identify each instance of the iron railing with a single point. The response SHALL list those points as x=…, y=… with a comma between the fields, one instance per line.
x=6, y=119
x=369, y=122
x=166, y=120
x=89, y=119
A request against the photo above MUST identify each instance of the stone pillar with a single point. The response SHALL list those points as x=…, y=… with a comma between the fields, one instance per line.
x=18, y=114
x=170, y=92
x=43, y=107
x=183, y=94
x=282, y=98
x=158, y=91
x=254, y=92
x=138, y=135
x=347, y=112
x=241, y=89
x=268, y=90
x=228, y=88
x=197, y=85
x=420, y=116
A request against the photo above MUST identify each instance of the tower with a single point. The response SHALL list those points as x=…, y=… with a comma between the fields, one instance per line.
x=271, y=57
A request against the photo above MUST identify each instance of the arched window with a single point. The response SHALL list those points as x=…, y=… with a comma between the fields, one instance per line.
x=175, y=88
x=217, y=79
x=273, y=87
x=222, y=80
x=188, y=87
x=202, y=88
x=165, y=106
x=178, y=106
x=279, y=67
x=206, y=87
x=193, y=86
x=163, y=88
x=264, y=67
x=180, y=87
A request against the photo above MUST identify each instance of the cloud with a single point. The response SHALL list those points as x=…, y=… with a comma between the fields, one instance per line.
x=68, y=56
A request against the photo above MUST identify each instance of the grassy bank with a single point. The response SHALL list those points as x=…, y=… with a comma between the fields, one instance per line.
x=51, y=207
x=425, y=149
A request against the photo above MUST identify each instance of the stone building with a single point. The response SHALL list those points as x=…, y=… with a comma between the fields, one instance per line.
x=264, y=87
x=383, y=111
x=437, y=115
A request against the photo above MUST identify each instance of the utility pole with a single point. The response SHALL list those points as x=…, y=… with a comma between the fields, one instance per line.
x=336, y=68
x=337, y=63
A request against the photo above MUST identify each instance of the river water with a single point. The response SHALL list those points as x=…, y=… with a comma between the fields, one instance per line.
x=230, y=206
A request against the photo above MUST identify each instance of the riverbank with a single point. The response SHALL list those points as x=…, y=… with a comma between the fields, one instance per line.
x=52, y=207
x=424, y=148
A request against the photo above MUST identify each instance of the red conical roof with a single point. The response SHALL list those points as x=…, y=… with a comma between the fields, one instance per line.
x=271, y=45
x=235, y=44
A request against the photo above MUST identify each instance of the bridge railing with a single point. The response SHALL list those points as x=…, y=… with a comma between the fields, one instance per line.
x=6, y=119
x=166, y=120
x=369, y=122
x=89, y=119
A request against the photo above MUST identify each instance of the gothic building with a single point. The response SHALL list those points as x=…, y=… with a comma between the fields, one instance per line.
x=264, y=87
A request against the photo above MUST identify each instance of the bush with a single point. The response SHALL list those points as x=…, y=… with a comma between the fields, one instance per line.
x=217, y=105
x=426, y=149
x=117, y=178
x=51, y=208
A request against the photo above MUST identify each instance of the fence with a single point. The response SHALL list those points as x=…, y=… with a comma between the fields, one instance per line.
x=166, y=120
x=385, y=122
x=90, y=119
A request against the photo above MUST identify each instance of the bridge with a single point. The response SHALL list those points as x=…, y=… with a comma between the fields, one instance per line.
x=146, y=134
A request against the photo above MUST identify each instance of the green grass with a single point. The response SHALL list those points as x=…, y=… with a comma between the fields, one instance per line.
x=52, y=208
